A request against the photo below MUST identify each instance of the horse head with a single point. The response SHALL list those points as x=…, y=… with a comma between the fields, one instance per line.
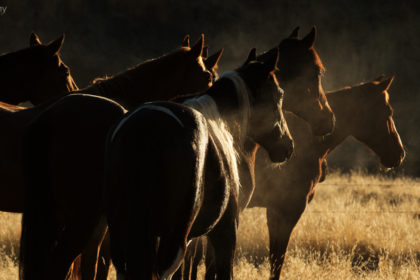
x=212, y=61
x=375, y=123
x=299, y=74
x=267, y=125
x=194, y=68
x=35, y=74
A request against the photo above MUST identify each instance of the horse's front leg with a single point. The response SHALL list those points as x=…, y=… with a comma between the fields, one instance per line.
x=281, y=223
x=223, y=239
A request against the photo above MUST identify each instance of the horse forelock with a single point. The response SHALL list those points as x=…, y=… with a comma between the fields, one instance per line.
x=219, y=132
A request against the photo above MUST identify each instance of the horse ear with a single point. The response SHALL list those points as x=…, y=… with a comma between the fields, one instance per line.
x=251, y=56
x=295, y=33
x=385, y=84
x=309, y=39
x=380, y=78
x=212, y=61
x=34, y=40
x=186, y=42
x=271, y=59
x=55, y=46
x=197, y=49
x=205, y=53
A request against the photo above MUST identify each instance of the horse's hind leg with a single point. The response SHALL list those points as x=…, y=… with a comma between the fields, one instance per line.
x=141, y=250
x=210, y=262
x=171, y=255
x=223, y=239
x=91, y=252
x=104, y=260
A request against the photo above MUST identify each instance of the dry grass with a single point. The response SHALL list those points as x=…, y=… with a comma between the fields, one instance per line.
x=357, y=227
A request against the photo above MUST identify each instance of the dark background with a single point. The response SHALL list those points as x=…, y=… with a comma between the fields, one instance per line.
x=357, y=41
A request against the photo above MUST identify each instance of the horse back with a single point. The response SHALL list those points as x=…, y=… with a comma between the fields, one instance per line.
x=156, y=154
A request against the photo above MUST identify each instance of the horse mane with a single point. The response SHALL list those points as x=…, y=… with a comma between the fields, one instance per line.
x=219, y=130
x=126, y=81
x=10, y=107
x=318, y=61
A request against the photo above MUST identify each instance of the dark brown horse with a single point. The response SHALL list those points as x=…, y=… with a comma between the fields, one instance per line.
x=39, y=70
x=34, y=74
x=172, y=173
x=362, y=111
x=74, y=149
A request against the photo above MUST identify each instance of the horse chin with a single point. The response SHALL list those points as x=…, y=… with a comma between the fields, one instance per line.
x=388, y=162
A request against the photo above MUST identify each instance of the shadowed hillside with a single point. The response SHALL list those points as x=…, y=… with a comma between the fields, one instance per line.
x=358, y=40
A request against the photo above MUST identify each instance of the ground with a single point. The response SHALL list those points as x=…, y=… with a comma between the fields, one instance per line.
x=357, y=227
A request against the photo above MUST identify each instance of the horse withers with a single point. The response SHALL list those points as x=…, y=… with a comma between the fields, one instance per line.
x=172, y=171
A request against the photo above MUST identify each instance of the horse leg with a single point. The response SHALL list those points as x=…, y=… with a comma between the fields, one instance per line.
x=223, y=239
x=104, y=260
x=171, y=254
x=196, y=258
x=280, y=227
x=141, y=249
x=117, y=235
x=210, y=262
x=187, y=267
x=91, y=251
x=192, y=259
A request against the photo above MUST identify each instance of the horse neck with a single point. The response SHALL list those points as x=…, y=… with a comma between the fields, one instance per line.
x=342, y=104
x=155, y=79
x=233, y=108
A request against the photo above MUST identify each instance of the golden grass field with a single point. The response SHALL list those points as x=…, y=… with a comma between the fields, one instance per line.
x=372, y=219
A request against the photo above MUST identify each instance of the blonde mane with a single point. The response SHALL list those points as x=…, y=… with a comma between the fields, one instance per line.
x=219, y=130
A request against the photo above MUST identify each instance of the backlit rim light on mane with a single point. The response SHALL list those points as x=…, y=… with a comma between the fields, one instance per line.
x=219, y=130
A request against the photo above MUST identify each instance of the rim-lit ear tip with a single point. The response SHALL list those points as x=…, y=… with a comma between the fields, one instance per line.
x=34, y=40
x=62, y=37
x=205, y=52
x=186, y=41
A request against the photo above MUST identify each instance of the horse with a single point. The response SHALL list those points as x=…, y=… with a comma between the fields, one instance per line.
x=35, y=74
x=71, y=148
x=37, y=69
x=171, y=171
x=300, y=70
x=361, y=111
x=129, y=87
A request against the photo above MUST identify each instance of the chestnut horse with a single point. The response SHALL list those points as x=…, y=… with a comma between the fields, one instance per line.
x=34, y=74
x=361, y=111
x=72, y=150
x=172, y=172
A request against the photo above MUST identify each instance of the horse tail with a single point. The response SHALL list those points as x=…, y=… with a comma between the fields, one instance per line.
x=36, y=236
